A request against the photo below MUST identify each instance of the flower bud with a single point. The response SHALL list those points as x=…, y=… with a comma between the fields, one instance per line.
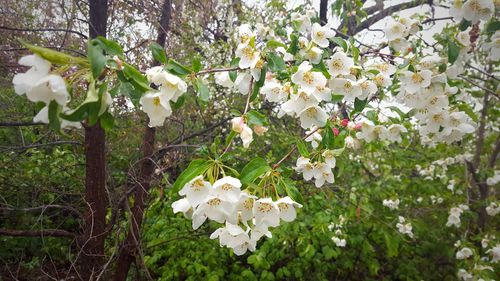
x=335, y=131
x=260, y=130
x=238, y=123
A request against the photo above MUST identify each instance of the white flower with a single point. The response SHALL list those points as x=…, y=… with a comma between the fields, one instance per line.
x=223, y=79
x=243, y=208
x=266, y=212
x=391, y=204
x=307, y=79
x=312, y=54
x=493, y=209
x=339, y=64
x=43, y=117
x=339, y=242
x=305, y=167
x=303, y=21
x=245, y=34
x=454, y=217
x=213, y=208
x=248, y=56
x=464, y=275
x=196, y=191
x=395, y=30
x=39, y=69
x=298, y=102
x=476, y=10
x=314, y=137
x=246, y=136
x=170, y=85
x=464, y=253
x=242, y=82
x=329, y=156
x=386, y=69
x=228, y=189
x=410, y=24
x=258, y=231
x=48, y=88
x=495, y=252
x=233, y=236
x=313, y=116
x=415, y=81
x=157, y=107
x=287, y=208
x=382, y=80
x=464, y=37
x=368, y=88
x=436, y=120
x=404, y=228
x=182, y=205
x=238, y=124
x=321, y=34
x=394, y=132
x=273, y=92
x=456, y=10
x=350, y=89
x=322, y=173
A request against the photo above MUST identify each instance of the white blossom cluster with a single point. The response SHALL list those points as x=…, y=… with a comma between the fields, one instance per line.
x=454, y=215
x=321, y=171
x=493, y=209
x=438, y=168
x=337, y=229
x=39, y=84
x=156, y=103
x=247, y=218
x=493, y=180
x=404, y=227
x=391, y=204
x=370, y=132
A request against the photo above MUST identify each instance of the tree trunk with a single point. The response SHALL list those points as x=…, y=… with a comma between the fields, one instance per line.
x=130, y=248
x=91, y=257
x=323, y=9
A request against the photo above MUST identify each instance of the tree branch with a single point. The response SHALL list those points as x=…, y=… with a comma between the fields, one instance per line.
x=389, y=11
x=37, y=233
x=45, y=29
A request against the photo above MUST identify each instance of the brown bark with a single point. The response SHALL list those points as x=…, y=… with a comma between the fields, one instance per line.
x=91, y=258
x=131, y=247
x=323, y=9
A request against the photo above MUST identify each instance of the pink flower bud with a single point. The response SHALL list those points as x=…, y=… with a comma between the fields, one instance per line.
x=344, y=122
x=335, y=131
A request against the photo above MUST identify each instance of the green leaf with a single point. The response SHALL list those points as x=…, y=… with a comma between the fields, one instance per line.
x=158, y=52
x=321, y=67
x=54, y=110
x=107, y=121
x=468, y=110
x=110, y=47
x=292, y=191
x=302, y=148
x=464, y=24
x=55, y=56
x=398, y=111
x=194, y=169
x=274, y=44
x=256, y=118
x=177, y=68
x=355, y=52
x=294, y=44
x=275, y=62
x=255, y=168
x=179, y=103
x=96, y=58
x=392, y=245
x=493, y=26
x=233, y=74
x=340, y=42
x=203, y=93
x=453, y=51
x=328, y=137
x=337, y=98
x=359, y=105
x=134, y=76
x=196, y=64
